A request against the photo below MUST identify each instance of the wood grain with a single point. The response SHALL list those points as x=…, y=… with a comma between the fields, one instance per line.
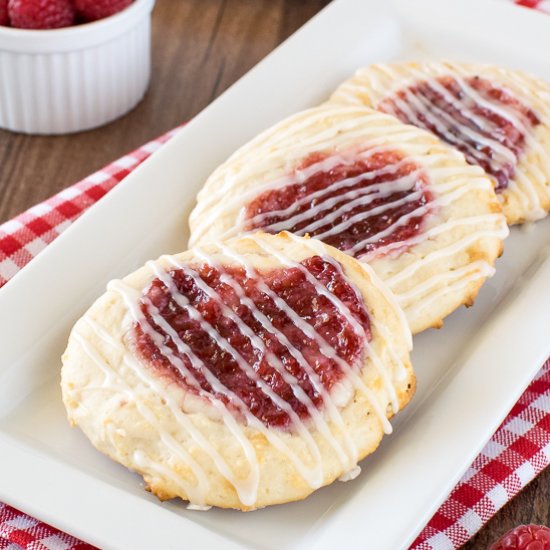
x=200, y=47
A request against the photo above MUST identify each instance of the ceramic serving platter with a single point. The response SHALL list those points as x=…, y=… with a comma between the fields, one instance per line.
x=470, y=373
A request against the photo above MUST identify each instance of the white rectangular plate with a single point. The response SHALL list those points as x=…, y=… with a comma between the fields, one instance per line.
x=470, y=373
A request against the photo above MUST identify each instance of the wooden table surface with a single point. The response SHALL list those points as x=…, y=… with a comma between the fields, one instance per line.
x=200, y=47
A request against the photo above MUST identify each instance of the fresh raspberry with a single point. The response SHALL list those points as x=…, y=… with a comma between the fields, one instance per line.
x=524, y=537
x=4, y=19
x=91, y=10
x=41, y=14
x=528, y=3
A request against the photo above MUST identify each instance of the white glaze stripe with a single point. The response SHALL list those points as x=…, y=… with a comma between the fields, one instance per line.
x=450, y=250
x=484, y=220
x=288, y=213
x=476, y=135
x=347, y=460
x=328, y=400
x=196, y=493
x=446, y=126
x=222, y=343
x=359, y=198
x=422, y=292
x=312, y=475
x=309, y=331
x=342, y=308
x=246, y=488
x=359, y=217
x=483, y=270
x=406, y=336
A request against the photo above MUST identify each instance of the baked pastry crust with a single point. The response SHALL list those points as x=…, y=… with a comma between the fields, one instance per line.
x=437, y=271
x=527, y=197
x=183, y=446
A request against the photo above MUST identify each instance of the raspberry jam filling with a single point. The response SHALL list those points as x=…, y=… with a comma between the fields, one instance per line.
x=357, y=203
x=486, y=123
x=206, y=318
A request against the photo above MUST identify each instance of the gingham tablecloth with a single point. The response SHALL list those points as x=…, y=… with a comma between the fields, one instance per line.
x=517, y=452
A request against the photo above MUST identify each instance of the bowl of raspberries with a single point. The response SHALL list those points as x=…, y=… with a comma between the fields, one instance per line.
x=72, y=65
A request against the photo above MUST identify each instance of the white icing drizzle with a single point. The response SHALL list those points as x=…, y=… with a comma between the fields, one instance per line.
x=445, y=124
x=440, y=254
x=352, y=474
x=350, y=198
x=389, y=339
x=441, y=200
x=343, y=309
x=478, y=269
x=308, y=466
x=113, y=379
x=198, y=508
x=346, y=224
x=310, y=332
x=530, y=184
x=258, y=344
x=483, y=220
x=462, y=281
x=337, y=206
x=213, y=206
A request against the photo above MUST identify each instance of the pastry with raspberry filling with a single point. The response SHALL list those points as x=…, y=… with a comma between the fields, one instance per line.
x=498, y=118
x=243, y=373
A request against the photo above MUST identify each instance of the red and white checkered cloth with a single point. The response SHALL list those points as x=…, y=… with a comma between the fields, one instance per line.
x=516, y=454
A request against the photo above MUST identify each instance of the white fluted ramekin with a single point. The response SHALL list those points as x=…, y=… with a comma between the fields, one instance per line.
x=75, y=78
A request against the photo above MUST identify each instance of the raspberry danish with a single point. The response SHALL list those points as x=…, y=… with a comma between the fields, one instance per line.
x=386, y=193
x=499, y=119
x=240, y=374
